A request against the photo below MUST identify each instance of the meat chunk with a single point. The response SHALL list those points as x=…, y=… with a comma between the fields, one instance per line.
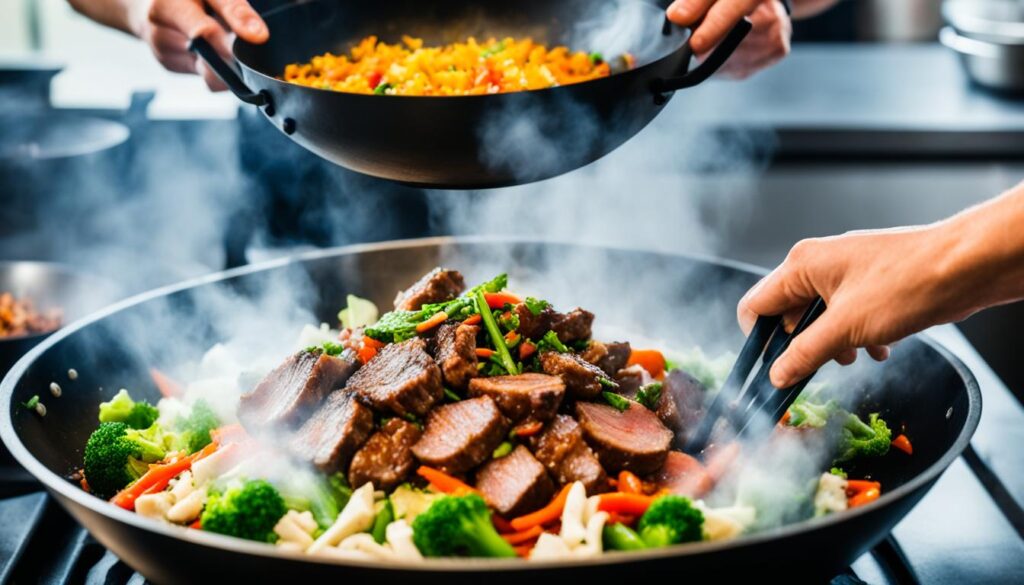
x=681, y=405
x=386, y=458
x=631, y=379
x=633, y=440
x=293, y=389
x=402, y=379
x=682, y=475
x=514, y=484
x=610, y=357
x=435, y=286
x=330, y=437
x=535, y=326
x=524, y=398
x=562, y=451
x=461, y=435
x=582, y=379
x=454, y=349
x=574, y=326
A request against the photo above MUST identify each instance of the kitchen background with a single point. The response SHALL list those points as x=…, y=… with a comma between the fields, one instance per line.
x=143, y=177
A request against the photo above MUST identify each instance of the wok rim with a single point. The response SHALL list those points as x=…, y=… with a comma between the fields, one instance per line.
x=60, y=486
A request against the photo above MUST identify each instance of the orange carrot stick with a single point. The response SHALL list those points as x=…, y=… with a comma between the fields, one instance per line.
x=528, y=430
x=865, y=497
x=432, y=322
x=483, y=352
x=472, y=319
x=902, y=443
x=443, y=482
x=629, y=483
x=860, y=485
x=622, y=503
x=500, y=299
x=197, y=525
x=549, y=513
x=525, y=536
x=651, y=360
x=523, y=551
x=526, y=350
x=165, y=384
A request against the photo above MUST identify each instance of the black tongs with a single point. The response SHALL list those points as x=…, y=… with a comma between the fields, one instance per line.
x=756, y=409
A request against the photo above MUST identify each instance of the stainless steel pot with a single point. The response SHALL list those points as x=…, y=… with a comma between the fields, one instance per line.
x=995, y=65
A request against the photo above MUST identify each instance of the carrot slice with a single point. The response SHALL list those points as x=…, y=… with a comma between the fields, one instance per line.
x=432, y=322
x=865, y=497
x=483, y=352
x=651, y=360
x=549, y=513
x=473, y=319
x=622, y=503
x=197, y=525
x=528, y=430
x=526, y=350
x=165, y=384
x=443, y=482
x=371, y=342
x=902, y=443
x=500, y=299
x=366, y=353
x=523, y=551
x=629, y=483
x=524, y=536
x=854, y=486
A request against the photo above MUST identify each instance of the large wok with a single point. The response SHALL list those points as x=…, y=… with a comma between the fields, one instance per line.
x=470, y=141
x=939, y=405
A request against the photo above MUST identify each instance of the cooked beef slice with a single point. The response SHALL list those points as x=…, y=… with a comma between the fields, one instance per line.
x=631, y=379
x=535, y=326
x=562, y=451
x=435, y=286
x=573, y=326
x=454, y=348
x=293, y=389
x=595, y=352
x=633, y=440
x=402, y=379
x=514, y=484
x=461, y=435
x=582, y=379
x=610, y=357
x=386, y=458
x=524, y=398
x=576, y=325
x=329, y=438
x=681, y=405
x=682, y=475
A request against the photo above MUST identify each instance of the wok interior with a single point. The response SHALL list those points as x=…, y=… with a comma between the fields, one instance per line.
x=919, y=390
x=299, y=32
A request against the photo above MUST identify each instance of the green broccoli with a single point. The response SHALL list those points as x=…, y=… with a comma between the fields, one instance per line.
x=459, y=526
x=860, y=439
x=116, y=455
x=195, y=429
x=245, y=509
x=324, y=497
x=805, y=413
x=671, y=520
x=621, y=537
x=121, y=408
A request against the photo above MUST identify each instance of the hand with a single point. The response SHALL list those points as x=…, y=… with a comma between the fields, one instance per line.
x=167, y=26
x=767, y=43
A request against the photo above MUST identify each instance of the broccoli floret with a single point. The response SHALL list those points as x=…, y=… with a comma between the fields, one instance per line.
x=116, y=455
x=195, y=429
x=860, y=439
x=459, y=526
x=324, y=497
x=245, y=509
x=121, y=408
x=804, y=413
x=671, y=520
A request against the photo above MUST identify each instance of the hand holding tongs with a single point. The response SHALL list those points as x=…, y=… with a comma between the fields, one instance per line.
x=743, y=410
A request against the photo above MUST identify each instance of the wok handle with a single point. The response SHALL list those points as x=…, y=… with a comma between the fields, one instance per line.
x=227, y=73
x=716, y=59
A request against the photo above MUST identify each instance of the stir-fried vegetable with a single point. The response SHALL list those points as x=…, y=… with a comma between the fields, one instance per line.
x=455, y=526
x=247, y=509
x=670, y=520
x=116, y=455
x=121, y=408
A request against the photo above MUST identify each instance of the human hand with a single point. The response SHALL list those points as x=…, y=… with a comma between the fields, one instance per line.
x=167, y=26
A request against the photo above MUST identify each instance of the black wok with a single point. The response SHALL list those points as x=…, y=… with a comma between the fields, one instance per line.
x=471, y=141
x=940, y=405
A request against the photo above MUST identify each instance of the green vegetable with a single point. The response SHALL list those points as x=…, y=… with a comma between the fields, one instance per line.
x=649, y=395
x=358, y=312
x=496, y=337
x=397, y=326
x=804, y=413
x=194, y=430
x=409, y=502
x=550, y=342
x=451, y=395
x=618, y=536
x=596, y=58
x=380, y=523
x=671, y=520
x=121, y=408
x=245, y=509
x=607, y=383
x=323, y=496
x=456, y=526
x=509, y=321
x=328, y=347
x=618, y=402
x=116, y=455
x=497, y=48
x=381, y=88
x=503, y=449
x=860, y=439
x=838, y=471
x=536, y=306
x=31, y=403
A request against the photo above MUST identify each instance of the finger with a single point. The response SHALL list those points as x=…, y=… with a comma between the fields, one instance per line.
x=721, y=17
x=687, y=12
x=242, y=19
x=879, y=353
x=846, y=357
x=809, y=351
x=744, y=315
x=188, y=18
x=178, y=62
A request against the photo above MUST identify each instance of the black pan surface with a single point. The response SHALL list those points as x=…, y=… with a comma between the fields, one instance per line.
x=939, y=404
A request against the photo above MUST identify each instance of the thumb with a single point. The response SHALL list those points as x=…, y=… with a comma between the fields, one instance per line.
x=809, y=350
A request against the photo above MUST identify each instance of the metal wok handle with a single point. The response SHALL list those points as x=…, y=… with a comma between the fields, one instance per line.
x=227, y=73
x=716, y=59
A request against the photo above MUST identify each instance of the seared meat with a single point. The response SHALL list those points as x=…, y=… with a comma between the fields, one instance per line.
x=631, y=379
x=582, y=379
x=595, y=352
x=294, y=389
x=524, y=398
x=610, y=357
x=574, y=326
x=386, y=458
x=682, y=475
x=567, y=457
x=634, y=439
x=514, y=484
x=681, y=405
x=334, y=432
x=461, y=435
x=535, y=326
x=402, y=379
x=454, y=349
x=435, y=286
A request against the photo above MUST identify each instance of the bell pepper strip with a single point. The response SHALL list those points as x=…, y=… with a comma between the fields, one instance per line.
x=443, y=482
x=622, y=503
x=545, y=515
x=165, y=384
x=629, y=483
x=517, y=538
x=865, y=497
x=529, y=429
x=500, y=299
x=651, y=360
x=495, y=333
x=902, y=443
x=472, y=320
x=483, y=352
x=432, y=322
x=159, y=475
x=526, y=349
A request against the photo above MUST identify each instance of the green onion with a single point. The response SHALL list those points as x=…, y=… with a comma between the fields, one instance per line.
x=381, y=88
x=615, y=401
x=607, y=383
x=503, y=449
x=496, y=337
x=649, y=395
x=32, y=402
x=450, y=395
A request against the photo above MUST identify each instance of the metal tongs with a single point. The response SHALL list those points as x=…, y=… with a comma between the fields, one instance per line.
x=755, y=410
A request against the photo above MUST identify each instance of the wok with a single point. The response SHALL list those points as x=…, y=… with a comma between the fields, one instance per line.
x=467, y=141
x=939, y=404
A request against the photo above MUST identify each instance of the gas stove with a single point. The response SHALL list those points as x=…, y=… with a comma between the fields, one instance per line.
x=969, y=528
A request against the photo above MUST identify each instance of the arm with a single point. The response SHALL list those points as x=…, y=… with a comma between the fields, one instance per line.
x=881, y=286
